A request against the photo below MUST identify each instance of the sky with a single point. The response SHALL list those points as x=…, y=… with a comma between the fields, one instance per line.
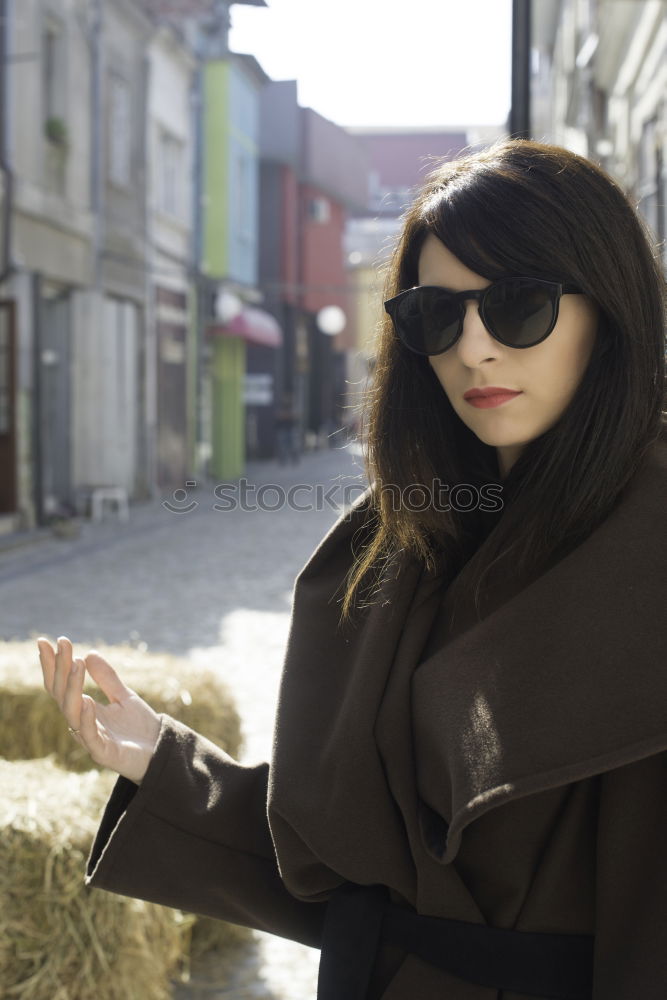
x=386, y=62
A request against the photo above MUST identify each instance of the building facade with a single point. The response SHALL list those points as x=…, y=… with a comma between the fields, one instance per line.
x=171, y=342
x=231, y=177
x=399, y=160
x=174, y=240
x=599, y=87
x=279, y=262
x=101, y=308
x=109, y=440
x=314, y=176
x=74, y=295
x=47, y=130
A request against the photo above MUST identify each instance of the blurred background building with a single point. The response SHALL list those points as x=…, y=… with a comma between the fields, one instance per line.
x=599, y=87
x=183, y=245
x=399, y=160
x=314, y=175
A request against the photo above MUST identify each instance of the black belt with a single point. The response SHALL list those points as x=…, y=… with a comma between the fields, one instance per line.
x=359, y=918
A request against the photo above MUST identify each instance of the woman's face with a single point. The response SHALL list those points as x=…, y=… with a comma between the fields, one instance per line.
x=546, y=376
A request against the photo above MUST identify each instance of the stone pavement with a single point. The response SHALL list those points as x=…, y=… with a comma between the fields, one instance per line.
x=211, y=585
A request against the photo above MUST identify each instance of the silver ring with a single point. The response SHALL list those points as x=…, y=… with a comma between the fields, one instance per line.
x=74, y=732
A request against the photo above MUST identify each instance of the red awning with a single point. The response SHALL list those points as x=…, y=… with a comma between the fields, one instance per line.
x=254, y=325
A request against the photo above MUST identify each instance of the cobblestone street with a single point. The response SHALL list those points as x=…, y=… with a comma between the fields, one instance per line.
x=211, y=585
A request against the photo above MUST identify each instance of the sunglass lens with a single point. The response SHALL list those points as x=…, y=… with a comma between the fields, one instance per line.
x=427, y=321
x=521, y=312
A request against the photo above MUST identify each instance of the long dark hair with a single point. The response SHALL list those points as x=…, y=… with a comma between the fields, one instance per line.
x=518, y=207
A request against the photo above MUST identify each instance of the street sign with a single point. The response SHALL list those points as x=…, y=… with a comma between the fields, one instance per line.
x=258, y=389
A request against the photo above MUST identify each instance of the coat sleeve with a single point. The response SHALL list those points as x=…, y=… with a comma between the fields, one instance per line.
x=631, y=887
x=194, y=835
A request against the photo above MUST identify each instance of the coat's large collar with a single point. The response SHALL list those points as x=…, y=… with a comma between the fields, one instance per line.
x=563, y=680
x=566, y=679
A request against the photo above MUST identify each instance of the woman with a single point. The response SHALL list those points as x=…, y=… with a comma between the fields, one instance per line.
x=467, y=792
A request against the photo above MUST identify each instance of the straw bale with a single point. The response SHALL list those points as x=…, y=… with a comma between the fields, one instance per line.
x=60, y=940
x=31, y=725
x=209, y=936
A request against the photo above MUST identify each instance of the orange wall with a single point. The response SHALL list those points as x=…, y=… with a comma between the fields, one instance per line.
x=322, y=261
x=323, y=270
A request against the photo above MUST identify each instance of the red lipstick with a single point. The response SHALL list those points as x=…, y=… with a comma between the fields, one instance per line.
x=490, y=395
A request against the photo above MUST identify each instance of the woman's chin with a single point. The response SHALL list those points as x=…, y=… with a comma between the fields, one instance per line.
x=498, y=437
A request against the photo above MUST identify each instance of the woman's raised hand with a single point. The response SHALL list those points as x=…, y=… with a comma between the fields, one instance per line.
x=121, y=735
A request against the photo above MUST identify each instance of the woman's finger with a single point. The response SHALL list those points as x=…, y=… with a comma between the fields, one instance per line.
x=47, y=659
x=88, y=729
x=63, y=667
x=79, y=709
x=106, y=677
x=73, y=692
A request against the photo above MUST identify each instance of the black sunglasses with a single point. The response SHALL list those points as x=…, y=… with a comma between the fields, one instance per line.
x=518, y=312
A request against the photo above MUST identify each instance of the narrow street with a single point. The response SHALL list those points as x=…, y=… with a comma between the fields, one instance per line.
x=211, y=585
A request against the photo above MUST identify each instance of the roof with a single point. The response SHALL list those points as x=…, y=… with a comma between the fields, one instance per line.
x=250, y=62
x=401, y=157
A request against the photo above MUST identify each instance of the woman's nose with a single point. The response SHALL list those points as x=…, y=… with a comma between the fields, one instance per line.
x=475, y=343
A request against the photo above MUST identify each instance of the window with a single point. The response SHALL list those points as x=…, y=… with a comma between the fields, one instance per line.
x=120, y=131
x=170, y=298
x=170, y=175
x=319, y=209
x=242, y=193
x=53, y=69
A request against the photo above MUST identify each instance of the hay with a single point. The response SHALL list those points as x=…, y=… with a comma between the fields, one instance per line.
x=31, y=725
x=209, y=935
x=58, y=939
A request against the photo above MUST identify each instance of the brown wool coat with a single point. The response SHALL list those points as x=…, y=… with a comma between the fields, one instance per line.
x=510, y=772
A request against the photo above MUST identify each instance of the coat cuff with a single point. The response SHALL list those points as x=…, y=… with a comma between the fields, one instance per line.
x=194, y=835
x=124, y=807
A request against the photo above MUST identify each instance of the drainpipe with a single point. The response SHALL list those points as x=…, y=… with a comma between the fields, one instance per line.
x=96, y=172
x=150, y=358
x=521, y=37
x=199, y=281
x=37, y=401
x=5, y=170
